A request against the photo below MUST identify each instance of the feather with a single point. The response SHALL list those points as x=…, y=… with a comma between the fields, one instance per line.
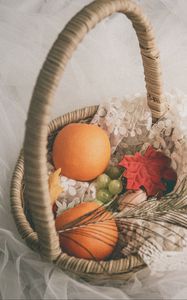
x=137, y=226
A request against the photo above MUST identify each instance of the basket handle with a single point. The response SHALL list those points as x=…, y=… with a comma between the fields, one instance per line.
x=35, y=143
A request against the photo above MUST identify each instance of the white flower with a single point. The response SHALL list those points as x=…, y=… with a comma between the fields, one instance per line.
x=68, y=185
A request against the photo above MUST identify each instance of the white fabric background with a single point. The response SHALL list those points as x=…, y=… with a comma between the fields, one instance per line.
x=106, y=64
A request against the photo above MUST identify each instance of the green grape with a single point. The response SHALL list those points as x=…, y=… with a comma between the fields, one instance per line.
x=103, y=195
x=115, y=187
x=103, y=181
x=114, y=172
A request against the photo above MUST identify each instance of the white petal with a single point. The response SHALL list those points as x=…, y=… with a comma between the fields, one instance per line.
x=72, y=191
x=156, y=144
x=133, y=133
x=122, y=130
x=72, y=182
x=116, y=131
x=63, y=178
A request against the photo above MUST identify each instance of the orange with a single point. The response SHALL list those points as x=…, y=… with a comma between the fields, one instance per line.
x=82, y=151
x=96, y=239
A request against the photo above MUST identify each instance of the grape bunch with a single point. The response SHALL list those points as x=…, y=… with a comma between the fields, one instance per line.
x=109, y=184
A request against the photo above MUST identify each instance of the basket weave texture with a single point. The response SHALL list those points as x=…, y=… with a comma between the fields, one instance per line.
x=30, y=179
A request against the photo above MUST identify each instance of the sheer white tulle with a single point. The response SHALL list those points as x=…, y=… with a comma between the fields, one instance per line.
x=109, y=54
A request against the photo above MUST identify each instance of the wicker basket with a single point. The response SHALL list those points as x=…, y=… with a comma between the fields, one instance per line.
x=30, y=180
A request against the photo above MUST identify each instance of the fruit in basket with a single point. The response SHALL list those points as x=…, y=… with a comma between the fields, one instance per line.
x=131, y=199
x=103, y=181
x=103, y=195
x=114, y=172
x=82, y=151
x=108, y=187
x=87, y=231
x=115, y=187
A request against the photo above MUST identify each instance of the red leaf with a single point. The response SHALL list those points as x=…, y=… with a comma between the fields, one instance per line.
x=169, y=174
x=147, y=170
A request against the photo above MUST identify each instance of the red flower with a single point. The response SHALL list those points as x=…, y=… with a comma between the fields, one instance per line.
x=147, y=171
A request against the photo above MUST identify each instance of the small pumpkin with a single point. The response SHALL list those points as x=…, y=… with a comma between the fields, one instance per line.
x=92, y=232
